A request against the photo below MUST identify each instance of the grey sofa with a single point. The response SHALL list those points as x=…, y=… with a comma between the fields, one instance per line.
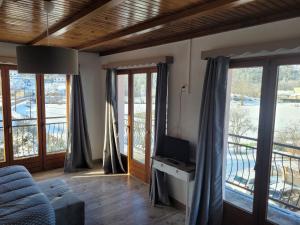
x=21, y=200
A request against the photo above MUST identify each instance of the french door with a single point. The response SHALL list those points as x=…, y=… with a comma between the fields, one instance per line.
x=136, y=105
x=28, y=136
x=263, y=153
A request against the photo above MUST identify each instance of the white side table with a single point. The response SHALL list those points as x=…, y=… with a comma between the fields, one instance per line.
x=178, y=170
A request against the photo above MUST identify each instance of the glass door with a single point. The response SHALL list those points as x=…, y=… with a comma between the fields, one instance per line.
x=139, y=157
x=136, y=99
x=243, y=122
x=33, y=119
x=123, y=122
x=139, y=122
x=284, y=183
x=263, y=151
x=55, y=119
x=23, y=120
x=246, y=105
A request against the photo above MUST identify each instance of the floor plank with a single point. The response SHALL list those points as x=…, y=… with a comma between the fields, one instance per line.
x=115, y=199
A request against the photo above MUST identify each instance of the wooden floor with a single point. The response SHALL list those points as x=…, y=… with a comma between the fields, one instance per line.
x=115, y=199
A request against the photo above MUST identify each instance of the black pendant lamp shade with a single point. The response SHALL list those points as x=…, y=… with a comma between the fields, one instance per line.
x=47, y=60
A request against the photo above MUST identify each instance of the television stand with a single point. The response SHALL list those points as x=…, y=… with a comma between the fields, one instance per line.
x=179, y=170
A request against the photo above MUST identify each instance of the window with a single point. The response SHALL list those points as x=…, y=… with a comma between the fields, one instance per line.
x=153, y=97
x=33, y=129
x=243, y=130
x=263, y=151
x=23, y=114
x=122, y=82
x=284, y=187
x=55, y=112
x=136, y=89
x=139, y=115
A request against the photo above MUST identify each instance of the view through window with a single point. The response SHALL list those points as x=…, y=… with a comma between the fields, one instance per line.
x=23, y=114
x=55, y=110
x=284, y=189
x=122, y=82
x=139, y=115
x=243, y=132
x=153, y=97
x=243, y=124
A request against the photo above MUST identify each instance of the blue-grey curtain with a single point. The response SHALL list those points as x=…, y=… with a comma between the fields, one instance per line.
x=79, y=154
x=207, y=205
x=112, y=162
x=158, y=184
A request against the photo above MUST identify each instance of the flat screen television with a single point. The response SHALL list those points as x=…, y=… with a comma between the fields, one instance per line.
x=175, y=148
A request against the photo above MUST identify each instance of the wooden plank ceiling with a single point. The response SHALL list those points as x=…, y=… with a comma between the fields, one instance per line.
x=112, y=26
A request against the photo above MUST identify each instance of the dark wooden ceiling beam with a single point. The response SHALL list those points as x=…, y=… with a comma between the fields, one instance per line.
x=198, y=9
x=83, y=14
x=247, y=22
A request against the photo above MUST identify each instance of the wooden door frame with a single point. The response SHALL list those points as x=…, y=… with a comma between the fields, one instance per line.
x=42, y=161
x=33, y=164
x=6, y=132
x=267, y=113
x=135, y=168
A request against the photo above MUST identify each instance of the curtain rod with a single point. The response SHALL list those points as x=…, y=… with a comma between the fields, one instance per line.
x=259, y=49
x=139, y=62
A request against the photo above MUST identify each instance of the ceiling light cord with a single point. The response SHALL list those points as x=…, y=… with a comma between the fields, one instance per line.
x=48, y=7
x=47, y=28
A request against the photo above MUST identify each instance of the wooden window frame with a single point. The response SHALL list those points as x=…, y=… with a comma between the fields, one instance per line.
x=142, y=171
x=43, y=161
x=53, y=160
x=264, y=140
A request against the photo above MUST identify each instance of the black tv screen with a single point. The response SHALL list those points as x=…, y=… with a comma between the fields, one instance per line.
x=176, y=149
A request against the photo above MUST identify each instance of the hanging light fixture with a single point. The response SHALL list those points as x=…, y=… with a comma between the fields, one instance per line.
x=47, y=59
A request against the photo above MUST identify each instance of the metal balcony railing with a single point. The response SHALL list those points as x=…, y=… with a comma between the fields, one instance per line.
x=284, y=188
x=25, y=137
x=139, y=132
x=56, y=135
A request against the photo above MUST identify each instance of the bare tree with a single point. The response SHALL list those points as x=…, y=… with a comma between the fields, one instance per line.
x=239, y=123
x=289, y=136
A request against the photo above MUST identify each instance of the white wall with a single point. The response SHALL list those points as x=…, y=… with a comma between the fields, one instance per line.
x=178, y=73
x=93, y=83
x=94, y=89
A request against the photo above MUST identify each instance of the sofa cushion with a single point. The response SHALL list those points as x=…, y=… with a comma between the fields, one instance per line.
x=69, y=209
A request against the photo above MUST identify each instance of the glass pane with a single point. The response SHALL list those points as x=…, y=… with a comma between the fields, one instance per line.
x=242, y=135
x=139, y=116
x=153, y=96
x=284, y=190
x=23, y=114
x=56, y=111
x=123, y=112
x=2, y=146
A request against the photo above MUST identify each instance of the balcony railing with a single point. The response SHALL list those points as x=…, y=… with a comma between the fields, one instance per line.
x=25, y=137
x=139, y=136
x=284, y=188
x=139, y=131
x=56, y=135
